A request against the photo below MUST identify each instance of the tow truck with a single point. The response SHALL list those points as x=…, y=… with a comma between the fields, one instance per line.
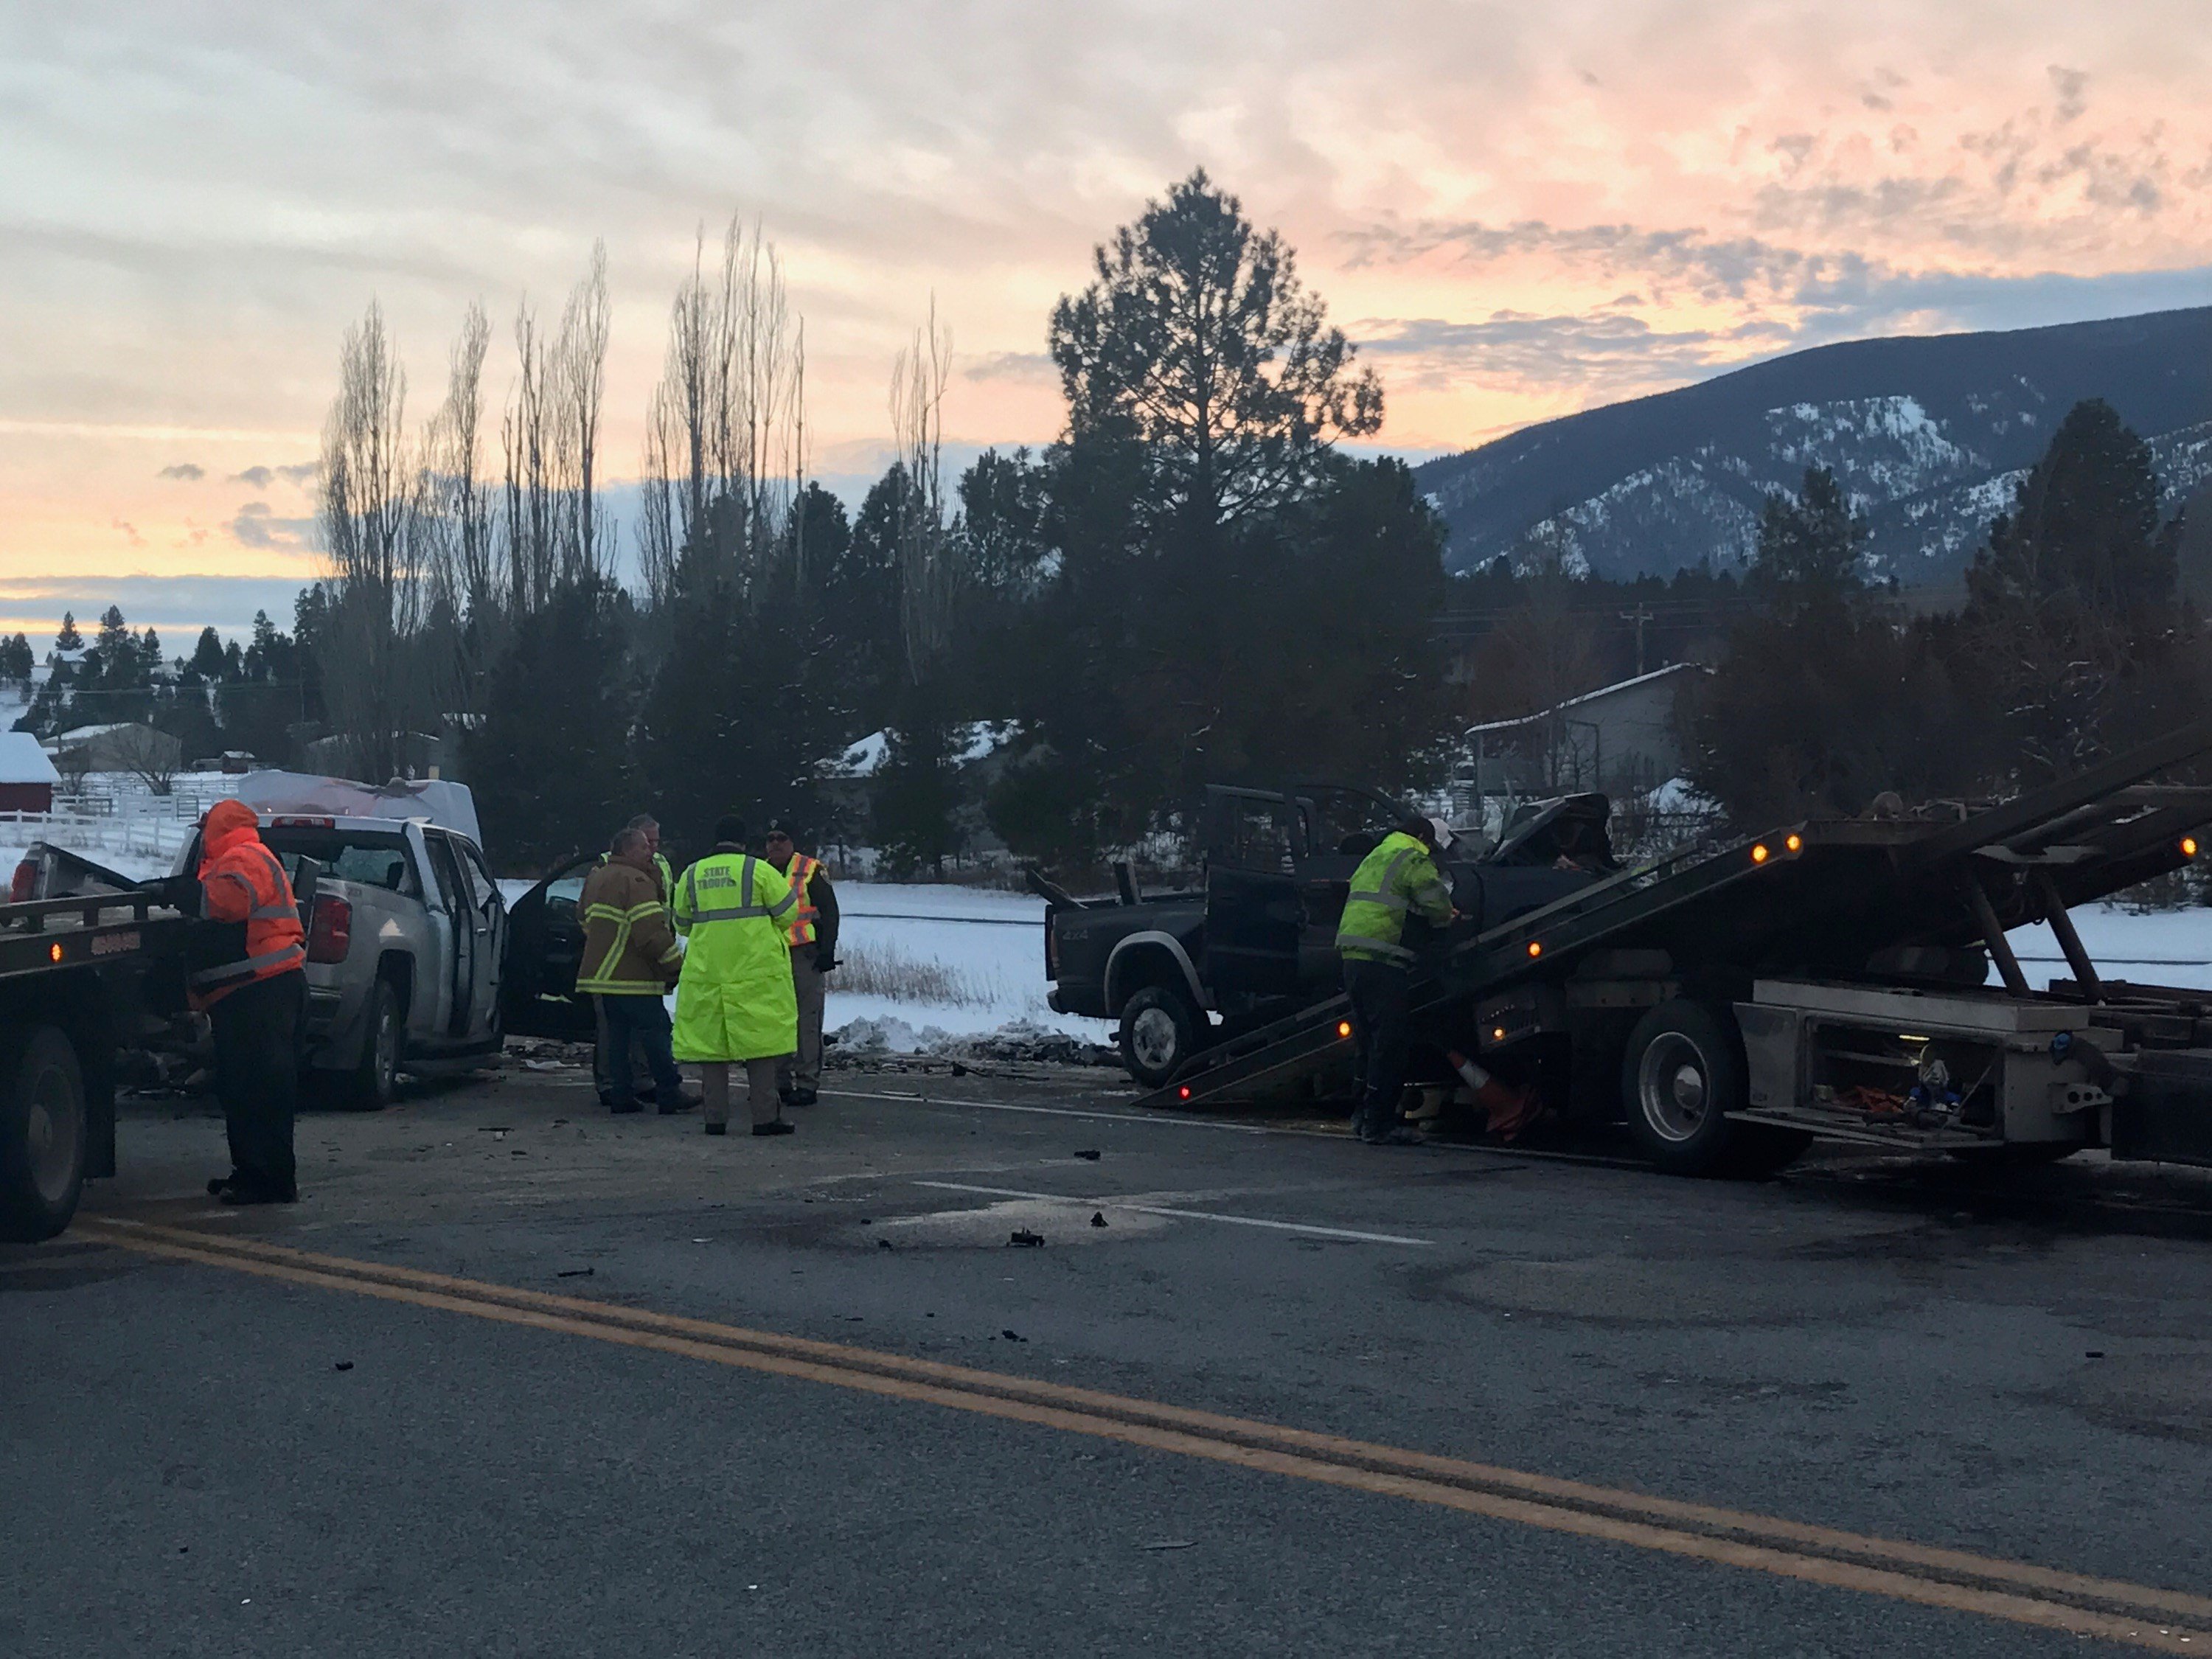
x=85, y=982
x=1824, y=978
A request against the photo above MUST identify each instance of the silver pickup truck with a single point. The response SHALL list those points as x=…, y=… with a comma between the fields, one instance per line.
x=407, y=941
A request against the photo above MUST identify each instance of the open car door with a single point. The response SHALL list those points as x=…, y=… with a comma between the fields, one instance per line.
x=544, y=947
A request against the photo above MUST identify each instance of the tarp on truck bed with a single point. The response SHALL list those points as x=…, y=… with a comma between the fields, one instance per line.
x=443, y=802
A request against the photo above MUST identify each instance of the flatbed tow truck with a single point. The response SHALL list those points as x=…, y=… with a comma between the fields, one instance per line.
x=1827, y=978
x=85, y=984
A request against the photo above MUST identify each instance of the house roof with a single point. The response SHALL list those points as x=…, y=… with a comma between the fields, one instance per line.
x=1602, y=694
x=21, y=760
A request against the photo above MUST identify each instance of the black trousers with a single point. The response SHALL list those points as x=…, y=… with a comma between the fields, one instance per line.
x=642, y=1020
x=1381, y=1025
x=257, y=1076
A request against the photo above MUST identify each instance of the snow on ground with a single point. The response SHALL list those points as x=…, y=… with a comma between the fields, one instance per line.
x=2156, y=947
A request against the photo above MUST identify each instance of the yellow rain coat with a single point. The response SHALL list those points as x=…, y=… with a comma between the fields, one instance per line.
x=734, y=1000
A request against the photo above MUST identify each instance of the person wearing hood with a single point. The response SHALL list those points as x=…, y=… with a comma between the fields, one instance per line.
x=1398, y=878
x=249, y=976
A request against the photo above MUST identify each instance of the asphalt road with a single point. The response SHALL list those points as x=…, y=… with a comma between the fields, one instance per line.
x=215, y=1446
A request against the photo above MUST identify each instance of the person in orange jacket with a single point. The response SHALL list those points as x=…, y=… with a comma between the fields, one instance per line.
x=249, y=976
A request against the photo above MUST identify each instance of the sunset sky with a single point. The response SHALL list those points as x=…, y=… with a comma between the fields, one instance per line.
x=1517, y=211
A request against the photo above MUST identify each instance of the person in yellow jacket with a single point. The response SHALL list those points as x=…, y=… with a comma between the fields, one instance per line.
x=734, y=1000
x=1398, y=878
x=630, y=958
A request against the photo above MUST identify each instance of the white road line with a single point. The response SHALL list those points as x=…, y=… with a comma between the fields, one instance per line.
x=1067, y=1111
x=1595, y=1160
x=1182, y=1215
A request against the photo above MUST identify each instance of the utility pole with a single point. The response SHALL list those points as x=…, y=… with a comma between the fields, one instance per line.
x=1640, y=616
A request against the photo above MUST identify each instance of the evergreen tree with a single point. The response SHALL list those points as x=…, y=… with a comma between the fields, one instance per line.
x=69, y=639
x=1809, y=548
x=1197, y=342
x=549, y=762
x=150, y=666
x=2072, y=629
x=207, y=657
x=16, y=662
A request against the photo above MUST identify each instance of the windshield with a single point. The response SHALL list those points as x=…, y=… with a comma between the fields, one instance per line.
x=373, y=858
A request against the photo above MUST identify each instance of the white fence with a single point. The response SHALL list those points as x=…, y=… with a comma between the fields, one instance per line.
x=112, y=818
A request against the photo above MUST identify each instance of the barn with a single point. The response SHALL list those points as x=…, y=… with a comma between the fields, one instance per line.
x=26, y=776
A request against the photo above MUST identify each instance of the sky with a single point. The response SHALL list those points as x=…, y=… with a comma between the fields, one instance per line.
x=1516, y=211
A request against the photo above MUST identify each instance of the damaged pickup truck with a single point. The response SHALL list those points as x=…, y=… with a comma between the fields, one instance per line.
x=1258, y=941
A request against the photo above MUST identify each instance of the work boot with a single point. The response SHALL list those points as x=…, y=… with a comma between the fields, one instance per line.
x=775, y=1127
x=802, y=1097
x=718, y=1128
x=686, y=1102
x=624, y=1107
x=1395, y=1135
x=222, y=1184
x=238, y=1193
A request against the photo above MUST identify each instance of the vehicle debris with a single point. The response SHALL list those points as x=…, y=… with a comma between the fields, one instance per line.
x=1098, y=1217
x=1022, y=1239
x=576, y=1272
x=1088, y=1154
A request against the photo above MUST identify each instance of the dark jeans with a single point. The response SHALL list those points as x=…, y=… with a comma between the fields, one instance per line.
x=644, y=1020
x=1380, y=1024
x=602, y=1068
x=256, y=1077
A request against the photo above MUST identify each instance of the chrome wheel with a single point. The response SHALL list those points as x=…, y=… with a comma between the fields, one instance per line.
x=55, y=1130
x=1674, y=1087
x=1155, y=1039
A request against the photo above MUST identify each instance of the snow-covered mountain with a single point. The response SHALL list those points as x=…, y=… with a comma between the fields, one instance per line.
x=1928, y=435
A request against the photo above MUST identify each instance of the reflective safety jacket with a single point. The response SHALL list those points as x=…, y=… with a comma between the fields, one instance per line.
x=242, y=882
x=630, y=949
x=735, y=1000
x=1398, y=875
x=804, y=919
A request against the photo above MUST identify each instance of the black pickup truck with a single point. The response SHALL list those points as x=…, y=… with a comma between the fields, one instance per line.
x=1258, y=939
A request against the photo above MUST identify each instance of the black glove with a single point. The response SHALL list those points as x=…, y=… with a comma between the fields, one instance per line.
x=179, y=893
x=824, y=959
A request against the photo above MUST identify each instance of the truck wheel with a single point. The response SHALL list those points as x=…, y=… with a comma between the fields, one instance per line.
x=374, y=1083
x=1159, y=1033
x=1681, y=1075
x=42, y=1134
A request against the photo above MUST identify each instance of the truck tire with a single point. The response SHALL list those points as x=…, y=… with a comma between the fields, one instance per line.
x=1159, y=1033
x=374, y=1083
x=43, y=1127
x=1681, y=1075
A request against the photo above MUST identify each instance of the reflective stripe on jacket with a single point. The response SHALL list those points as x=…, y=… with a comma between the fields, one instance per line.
x=735, y=999
x=630, y=949
x=1398, y=875
x=801, y=877
x=241, y=881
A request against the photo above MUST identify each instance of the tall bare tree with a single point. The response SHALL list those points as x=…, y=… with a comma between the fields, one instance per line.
x=578, y=372
x=928, y=566
x=372, y=491
x=724, y=433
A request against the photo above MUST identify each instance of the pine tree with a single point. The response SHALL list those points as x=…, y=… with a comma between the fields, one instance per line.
x=549, y=762
x=69, y=639
x=207, y=657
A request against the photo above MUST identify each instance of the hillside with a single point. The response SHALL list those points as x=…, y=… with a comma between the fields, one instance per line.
x=1928, y=434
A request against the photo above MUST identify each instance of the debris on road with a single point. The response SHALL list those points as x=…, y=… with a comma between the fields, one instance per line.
x=342, y=1365
x=1098, y=1217
x=1013, y=1336
x=576, y=1272
x=1088, y=1154
x=1022, y=1239
x=1169, y=1544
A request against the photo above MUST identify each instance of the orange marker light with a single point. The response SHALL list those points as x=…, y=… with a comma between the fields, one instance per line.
x=1344, y=1028
x=1497, y=1034
x=53, y=953
x=1536, y=948
x=2189, y=847
x=1760, y=855
x=1796, y=843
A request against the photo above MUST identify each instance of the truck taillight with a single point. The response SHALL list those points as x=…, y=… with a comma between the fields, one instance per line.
x=24, y=883
x=330, y=935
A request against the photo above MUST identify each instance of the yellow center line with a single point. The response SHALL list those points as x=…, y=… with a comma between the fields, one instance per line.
x=1957, y=1580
